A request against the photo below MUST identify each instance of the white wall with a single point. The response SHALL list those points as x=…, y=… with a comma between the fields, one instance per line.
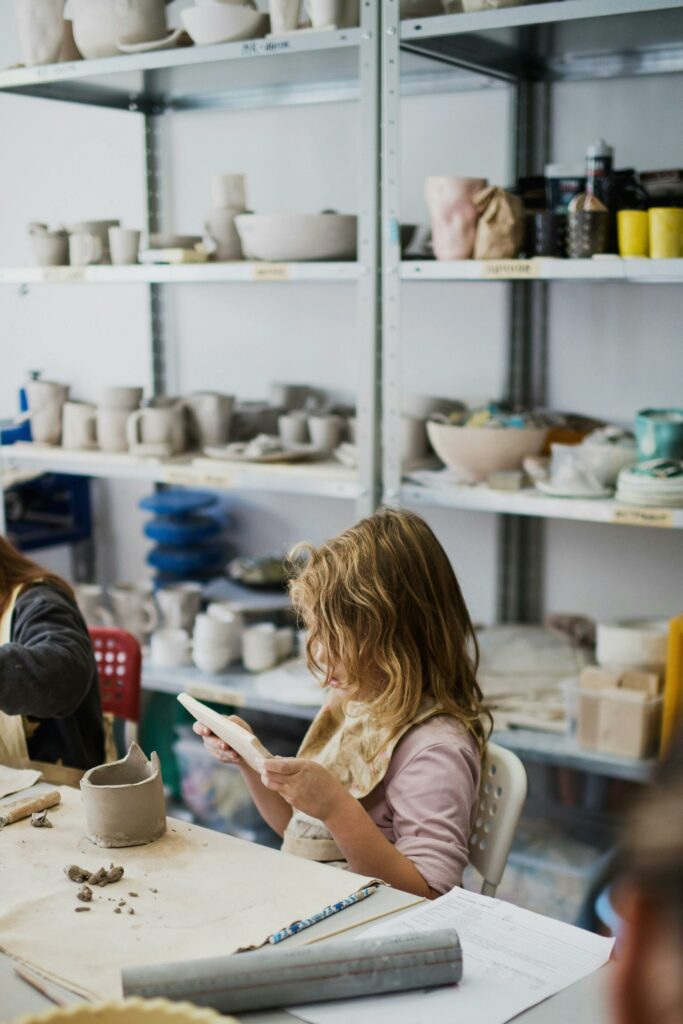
x=613, y=349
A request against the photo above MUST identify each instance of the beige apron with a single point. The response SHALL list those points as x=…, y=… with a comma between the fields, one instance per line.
x=358, y=753
x=12, y=735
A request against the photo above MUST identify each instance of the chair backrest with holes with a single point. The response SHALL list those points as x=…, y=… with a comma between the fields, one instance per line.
x=501, y=798
x=119, y=663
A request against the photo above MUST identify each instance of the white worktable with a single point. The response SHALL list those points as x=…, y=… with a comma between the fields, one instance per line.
x=586, y=1001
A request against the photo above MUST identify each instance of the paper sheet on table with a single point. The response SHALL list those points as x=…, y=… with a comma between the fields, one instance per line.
x=13, y=780
x=199, y=894
x=512, y=959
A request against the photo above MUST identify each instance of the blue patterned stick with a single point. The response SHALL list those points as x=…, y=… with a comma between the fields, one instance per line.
x=334, y=908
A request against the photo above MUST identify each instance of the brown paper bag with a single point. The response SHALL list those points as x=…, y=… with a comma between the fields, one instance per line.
x=500, y=229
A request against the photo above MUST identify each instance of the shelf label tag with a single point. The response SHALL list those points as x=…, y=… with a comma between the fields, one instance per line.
x=635, y=515
x=264, y=46
x=270, y=272
x=192, y=476
x=60, y=275
x=510, y=270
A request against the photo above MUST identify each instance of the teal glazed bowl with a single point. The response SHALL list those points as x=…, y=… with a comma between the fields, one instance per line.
x=659, y=434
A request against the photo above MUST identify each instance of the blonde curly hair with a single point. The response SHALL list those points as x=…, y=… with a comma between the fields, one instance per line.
x=382, y=600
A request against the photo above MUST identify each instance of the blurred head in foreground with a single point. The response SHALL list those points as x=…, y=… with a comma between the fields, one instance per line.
x=649, y=979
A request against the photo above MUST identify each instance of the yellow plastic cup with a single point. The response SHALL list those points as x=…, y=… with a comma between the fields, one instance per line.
x=633, y=232
x=666, y=232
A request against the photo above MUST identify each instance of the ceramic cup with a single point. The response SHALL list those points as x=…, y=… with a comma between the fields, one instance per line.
x=100, y=228
x=666, y=232
x=79, y=426
x=124, y=398
x=140, y=21
x=134, y=608
x=179, y=604
x=94, y=28
x=45, y=402
x=157, y=430
x=659, y=433
x=220, y=226
x=85, y=249
x=215, y=642
x=50, y=248
x=633, y=232
x=170, y=648
x=290, y=397
x=228, y=190
x=293, y=428
x=259, y=647
x=325, y=13
x=284, y=641
x=453, y=215
x=413, y=439
x=111, y=429
x=233, y=626
x=40, y=24
x=90, y=599
x=325, y=431
x=284, y=15
x=124, y=244
x=209, y=415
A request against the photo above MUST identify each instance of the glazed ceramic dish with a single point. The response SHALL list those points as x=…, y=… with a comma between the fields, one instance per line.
x=214, y=22
x=281, y=237
x=474, y=453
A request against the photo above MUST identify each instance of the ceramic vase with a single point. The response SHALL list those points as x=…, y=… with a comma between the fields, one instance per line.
x=453, y=215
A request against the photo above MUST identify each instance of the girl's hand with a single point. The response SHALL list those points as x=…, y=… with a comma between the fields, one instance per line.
x=306, y=785
x=217, y=747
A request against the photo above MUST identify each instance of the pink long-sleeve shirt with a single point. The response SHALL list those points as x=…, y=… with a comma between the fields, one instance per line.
x=426, y=803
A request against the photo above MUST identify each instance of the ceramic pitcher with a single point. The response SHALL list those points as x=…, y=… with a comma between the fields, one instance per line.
x=453, y=215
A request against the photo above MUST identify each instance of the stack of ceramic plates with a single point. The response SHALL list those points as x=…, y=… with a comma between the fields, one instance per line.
x=655, y=482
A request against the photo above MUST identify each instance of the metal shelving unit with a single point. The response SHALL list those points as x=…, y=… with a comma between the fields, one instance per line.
x=319, y=67
x=523, y=49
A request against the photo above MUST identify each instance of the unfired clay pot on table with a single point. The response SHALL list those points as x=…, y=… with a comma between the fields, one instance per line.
x=124, y=801
x=453, y=215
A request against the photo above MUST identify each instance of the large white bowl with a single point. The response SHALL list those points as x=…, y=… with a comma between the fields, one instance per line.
x=474, y=453
x=632, y=643
x=209, y=23
x=280, y=237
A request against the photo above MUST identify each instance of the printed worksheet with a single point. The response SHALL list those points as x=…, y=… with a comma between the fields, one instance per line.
x=512, y=959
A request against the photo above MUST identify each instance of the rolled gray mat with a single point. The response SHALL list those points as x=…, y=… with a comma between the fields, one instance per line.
x=321, y=972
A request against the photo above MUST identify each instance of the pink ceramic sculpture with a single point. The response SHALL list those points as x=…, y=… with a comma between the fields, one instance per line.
x=453, y=215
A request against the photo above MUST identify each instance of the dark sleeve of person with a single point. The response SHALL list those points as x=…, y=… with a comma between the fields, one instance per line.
x=47, y=669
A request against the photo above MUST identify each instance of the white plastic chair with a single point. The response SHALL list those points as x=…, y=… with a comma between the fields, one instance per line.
x=502, y=793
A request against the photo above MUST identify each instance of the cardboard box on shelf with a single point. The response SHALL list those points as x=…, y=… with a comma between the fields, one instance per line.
x=649, y=683
x=595, y=678
x=620, y=721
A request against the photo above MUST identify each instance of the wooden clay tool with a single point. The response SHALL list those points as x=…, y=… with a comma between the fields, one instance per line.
x=306, y=974
x=25, y=808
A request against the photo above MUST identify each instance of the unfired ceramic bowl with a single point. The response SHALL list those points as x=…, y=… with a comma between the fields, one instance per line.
x=214, y=22
x=280, y=237
x=474, y=453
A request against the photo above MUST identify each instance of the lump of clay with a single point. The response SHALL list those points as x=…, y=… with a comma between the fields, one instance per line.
x=124, y=801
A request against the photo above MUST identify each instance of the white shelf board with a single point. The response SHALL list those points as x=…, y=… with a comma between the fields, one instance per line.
x=611, y=268
x=235, y=688
x=529, y=502
x=321, y=479
x=563, y=750
x=186, y=273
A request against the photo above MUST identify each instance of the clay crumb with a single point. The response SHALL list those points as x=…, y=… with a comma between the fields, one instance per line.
x=153, y=890
x=114, y=874
x=130, y=910
x=81, y=910
x=121, y=903
x=84, y=894
x=132, y=894
x=117, y=910
x=76, y=874
x=39, y=819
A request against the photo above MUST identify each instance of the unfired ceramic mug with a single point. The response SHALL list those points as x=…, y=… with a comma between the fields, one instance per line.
x=293, y=428
x=124, y=244
x=259, y=647
x=50, y=248
x=157, y=428
x=78, y=426
x=45, y=402
x=453, y=215
x=85, y=249
x=325, y=431
x=140, y=21
x=228, y=190
x=111, y=429
x=220, y=226
x=118, y=397
x=179, y=604
x=284, y=15
x=90, y=600
x=209, y=414
x=170, y=648
x=134, y=608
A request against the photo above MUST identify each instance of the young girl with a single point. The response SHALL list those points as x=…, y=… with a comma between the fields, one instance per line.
x=387, y=777
x=49, y=691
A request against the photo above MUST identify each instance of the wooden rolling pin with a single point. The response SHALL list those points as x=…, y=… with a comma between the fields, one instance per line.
x=10, y=813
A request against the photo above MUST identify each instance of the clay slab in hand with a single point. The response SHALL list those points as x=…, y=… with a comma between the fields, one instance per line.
x=244, y=742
